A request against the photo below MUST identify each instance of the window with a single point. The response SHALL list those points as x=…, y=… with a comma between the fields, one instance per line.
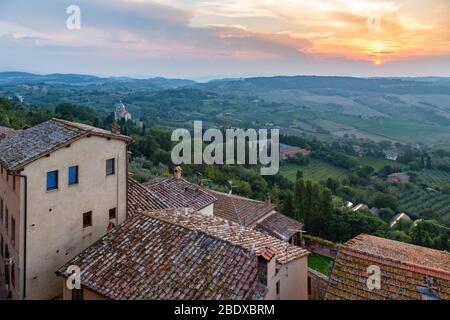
x=73, y=175
x=278, y=287
x=87, y=219
x=52, y=180
x=1, y=210
x=1, y=246
x=110, y=167
x=112, y=213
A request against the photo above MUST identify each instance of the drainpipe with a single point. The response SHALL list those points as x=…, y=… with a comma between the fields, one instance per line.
x=25, y=196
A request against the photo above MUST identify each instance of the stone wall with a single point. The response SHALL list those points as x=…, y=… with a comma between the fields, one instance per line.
x=317, y=285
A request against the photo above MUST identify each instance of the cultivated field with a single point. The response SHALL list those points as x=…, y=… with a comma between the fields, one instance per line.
x=316, y=171
x=435, y=177
x=416, y=202
x=377, y=163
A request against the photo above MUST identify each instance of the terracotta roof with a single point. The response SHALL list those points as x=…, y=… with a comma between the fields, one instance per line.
x=279, y=226
x=28, y=145
x=180, y=193
x=142, y=199
x=407, y=271
x=232, y=232
x=6, y=132
x=239, y=209
x=292, y=152
x=147, y=258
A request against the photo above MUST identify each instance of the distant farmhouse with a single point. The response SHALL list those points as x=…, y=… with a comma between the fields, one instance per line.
x=121, y=112
x=398, y=218
x=391, y=156
x=288, y=151
x=398, y=177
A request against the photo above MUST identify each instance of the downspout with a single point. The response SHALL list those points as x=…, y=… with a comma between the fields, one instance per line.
x=25, y=196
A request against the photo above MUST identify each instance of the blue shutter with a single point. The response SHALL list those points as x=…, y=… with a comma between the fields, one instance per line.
x=52, y=180
x=73, y=175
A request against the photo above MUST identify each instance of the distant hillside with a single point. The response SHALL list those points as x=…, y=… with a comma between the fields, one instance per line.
x=9, y=78
x=413, y=110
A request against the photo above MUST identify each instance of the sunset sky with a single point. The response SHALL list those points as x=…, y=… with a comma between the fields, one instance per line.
x=203, y=39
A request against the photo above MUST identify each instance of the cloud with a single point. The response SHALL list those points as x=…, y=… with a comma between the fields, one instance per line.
x=191, y=36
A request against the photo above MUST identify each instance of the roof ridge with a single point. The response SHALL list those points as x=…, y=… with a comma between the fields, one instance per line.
x=236, y=196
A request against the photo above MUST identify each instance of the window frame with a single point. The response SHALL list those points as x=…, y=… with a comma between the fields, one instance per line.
x=85, y=215
x=113, y=168
x=112, y=210
x=77, y=171
x=56, y=186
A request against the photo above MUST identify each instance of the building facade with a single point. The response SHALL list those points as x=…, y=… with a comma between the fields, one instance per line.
x=62, y=186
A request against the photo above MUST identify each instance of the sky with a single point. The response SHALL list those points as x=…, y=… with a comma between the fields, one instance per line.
x=205, y=39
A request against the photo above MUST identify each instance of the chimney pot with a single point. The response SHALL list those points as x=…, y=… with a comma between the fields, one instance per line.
x=267, y=201
x=177, y=172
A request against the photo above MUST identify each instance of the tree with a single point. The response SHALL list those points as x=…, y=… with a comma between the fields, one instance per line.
x=299, y=197
x=430, y=234
x=384, y=200
x=288, y=207
x=400, y=236
x=386, y=214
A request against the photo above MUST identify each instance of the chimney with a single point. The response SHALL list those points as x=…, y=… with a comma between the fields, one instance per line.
x=177, y=172
x=115, y=128
x=267, y=202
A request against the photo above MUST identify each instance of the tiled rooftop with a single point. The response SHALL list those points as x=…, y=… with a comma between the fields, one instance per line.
x=279, y=226
x=180, y=193
x=31, y=144
x=147, y=258
x=407, y=271
x=142, y=199
x=239, y=209
x=6, y=132
x=232, y=232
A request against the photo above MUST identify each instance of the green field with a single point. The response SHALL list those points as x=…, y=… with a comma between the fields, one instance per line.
x=316, y=171
x=416, y=202
x=377, y=163
x=320, y=263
